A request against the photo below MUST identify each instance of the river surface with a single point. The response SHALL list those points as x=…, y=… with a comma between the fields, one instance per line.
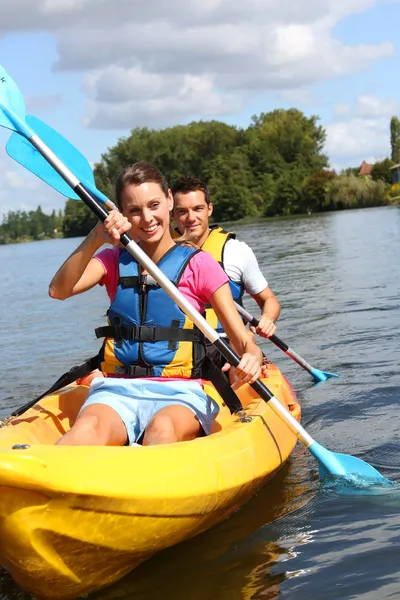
x=337, y=277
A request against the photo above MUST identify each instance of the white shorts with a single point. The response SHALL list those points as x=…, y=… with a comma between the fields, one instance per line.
x=136, y=401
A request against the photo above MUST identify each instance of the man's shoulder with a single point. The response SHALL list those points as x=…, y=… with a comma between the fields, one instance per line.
x=238, y=258
x=235, y=244
x=240, y=254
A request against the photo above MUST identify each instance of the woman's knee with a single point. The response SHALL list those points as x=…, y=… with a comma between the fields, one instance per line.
x=160, y=430
x=87, y=429
x=172, y=424
x=89, y=425
x=98, y=425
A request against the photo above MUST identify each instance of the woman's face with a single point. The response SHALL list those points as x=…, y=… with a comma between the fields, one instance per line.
x=148, y=210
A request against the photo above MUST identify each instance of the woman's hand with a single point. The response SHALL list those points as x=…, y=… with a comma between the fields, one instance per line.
x=87, y=379
x=113, y=227
x=248, y=370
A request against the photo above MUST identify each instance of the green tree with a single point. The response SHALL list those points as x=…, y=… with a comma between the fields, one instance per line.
x=288, y=146
x=253, y=171
x=230, y=179
x=20, y=225
x=382, y=171
x=78, y=219
x=293, y=137
x=350, y=171
x=395, y=139
x=315, y=191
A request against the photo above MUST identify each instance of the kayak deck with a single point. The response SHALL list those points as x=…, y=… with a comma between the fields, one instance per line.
x=75, y=519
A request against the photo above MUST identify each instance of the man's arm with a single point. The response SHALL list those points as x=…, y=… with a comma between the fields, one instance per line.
x=270, y=311
x=241, y=265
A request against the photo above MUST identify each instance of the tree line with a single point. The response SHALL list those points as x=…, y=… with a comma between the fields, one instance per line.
x=276, y=166
x=32, y=225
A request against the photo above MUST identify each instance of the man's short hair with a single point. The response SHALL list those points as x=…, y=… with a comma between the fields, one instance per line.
x=185, y=185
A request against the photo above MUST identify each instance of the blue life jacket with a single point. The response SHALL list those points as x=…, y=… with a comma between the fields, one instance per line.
x=148, y=334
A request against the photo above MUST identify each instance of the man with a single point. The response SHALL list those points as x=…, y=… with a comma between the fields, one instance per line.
x=192, y=210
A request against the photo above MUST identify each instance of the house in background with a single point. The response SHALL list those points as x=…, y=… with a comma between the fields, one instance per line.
x=395, y=173
x=365, y=169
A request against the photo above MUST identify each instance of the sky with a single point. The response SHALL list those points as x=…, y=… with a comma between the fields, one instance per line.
x=95, y=69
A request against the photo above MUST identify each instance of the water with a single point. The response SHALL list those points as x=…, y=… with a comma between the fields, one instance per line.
x=338, y=279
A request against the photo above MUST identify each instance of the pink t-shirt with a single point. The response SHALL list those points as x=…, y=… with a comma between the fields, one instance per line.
x=201, y=278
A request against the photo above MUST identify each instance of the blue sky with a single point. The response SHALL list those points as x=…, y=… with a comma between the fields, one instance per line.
x=93, y=69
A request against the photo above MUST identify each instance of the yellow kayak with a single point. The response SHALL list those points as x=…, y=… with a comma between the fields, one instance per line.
x=75, y=519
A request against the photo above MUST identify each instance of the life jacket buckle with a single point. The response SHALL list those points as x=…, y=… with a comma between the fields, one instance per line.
x=134, y=371
x=144, y=333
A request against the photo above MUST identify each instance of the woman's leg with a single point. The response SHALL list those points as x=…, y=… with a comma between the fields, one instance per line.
x=173, y=423
x=97, y=425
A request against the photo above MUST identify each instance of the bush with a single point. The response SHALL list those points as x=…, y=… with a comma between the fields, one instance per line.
x=315, y=190
x=392, y=195
x=349, y=191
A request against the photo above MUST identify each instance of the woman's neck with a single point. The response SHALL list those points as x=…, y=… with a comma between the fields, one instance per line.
x=156, y=251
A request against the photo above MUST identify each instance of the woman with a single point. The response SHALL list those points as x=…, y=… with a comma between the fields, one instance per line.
x=152, y=355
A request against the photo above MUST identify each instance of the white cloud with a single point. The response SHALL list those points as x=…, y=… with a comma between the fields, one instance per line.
x=177, y=101
x=365, y=134
x=158, y=63
x=350, y=142
x=60, y=6
x=369, y=106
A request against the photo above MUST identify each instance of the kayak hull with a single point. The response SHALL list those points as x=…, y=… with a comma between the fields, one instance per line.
x=75, y=519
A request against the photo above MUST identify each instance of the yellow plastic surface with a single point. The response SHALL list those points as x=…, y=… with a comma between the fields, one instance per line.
x=75, y=519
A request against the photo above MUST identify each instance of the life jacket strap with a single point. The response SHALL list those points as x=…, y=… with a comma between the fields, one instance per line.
x=134, y=371
x=222, y=385
x=134, y=280
x=145, y=333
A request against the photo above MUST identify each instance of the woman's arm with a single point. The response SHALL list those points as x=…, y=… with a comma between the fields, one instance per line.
x=249, y=368
x=80, y=272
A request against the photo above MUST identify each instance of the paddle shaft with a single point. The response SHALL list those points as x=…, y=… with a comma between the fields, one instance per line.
x=275, y=340
x=135, y=250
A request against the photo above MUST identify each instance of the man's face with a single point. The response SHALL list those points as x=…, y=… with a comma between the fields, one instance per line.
x=191, y=213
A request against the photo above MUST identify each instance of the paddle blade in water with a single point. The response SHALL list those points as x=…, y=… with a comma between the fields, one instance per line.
x=334, y=464
x=321, y=375
x=356, y=485
x=24, y=153
x=11, y=101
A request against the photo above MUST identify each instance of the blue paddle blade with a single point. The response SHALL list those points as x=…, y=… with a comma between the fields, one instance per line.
x=11, y=101
x=334, y=464
x=322, y=375
x=22, y=151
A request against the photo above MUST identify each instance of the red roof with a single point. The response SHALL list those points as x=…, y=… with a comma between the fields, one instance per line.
x=365, y=168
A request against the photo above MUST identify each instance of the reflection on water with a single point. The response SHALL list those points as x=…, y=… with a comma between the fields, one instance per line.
x=338, y=279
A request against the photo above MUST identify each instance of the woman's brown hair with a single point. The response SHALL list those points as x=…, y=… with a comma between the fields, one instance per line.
x=136, y=174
